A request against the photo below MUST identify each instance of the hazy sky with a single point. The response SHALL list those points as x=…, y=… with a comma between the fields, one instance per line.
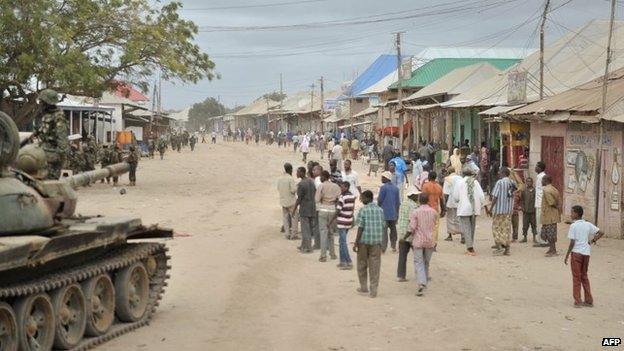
x=250, y=62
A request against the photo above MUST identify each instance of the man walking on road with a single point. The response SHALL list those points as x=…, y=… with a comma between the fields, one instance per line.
x=501, y=211
x=370, y=222
x=422, y=224
x=470, y=199
x=404, y=231
x=351, y=176
x=307, y=209
x=326, y=196
x=287, y=192
x=452, y=222
x=336, y=154
x=436, y=201
x=344, y=218
x=389, y=201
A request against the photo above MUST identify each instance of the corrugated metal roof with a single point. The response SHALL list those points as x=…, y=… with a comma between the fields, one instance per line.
x=258, y=107
x=457, y=81
x=574, y=59
x=586, y=98
x=431, y=53
x=383, y=65
x=437, y=68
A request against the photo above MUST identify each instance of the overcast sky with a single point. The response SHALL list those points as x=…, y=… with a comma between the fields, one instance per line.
x=250, y=62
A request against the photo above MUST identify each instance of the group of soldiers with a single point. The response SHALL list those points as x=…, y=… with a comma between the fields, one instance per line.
x=179, y=140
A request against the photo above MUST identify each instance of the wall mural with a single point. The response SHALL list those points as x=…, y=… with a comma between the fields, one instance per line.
x=583, y=165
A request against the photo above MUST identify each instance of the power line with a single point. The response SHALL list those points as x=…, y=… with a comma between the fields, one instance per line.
x=275, y=4
x=365, y=20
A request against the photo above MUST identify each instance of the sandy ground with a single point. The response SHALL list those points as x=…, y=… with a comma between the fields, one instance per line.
x=237, y=284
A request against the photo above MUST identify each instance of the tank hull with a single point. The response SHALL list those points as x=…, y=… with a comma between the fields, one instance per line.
x=81, y=250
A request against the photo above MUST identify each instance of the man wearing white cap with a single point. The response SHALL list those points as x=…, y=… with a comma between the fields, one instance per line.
x=389, y=200
x=405, y=235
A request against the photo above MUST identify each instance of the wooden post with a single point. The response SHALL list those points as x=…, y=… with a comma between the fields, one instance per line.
x=541, y=85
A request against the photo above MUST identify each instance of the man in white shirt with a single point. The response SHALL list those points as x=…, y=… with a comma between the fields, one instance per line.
x=336, y=154
x=540, y=169
x=417, y=168
x=581, y=235
x=452, y=222
x=469, y=197
x=351, y=176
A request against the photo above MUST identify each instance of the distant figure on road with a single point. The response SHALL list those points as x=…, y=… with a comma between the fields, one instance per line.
x=336, y=154
x=370, y=222
x=133, y=161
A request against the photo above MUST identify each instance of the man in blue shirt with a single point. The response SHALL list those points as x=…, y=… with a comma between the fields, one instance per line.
x=398, y=168
x=389, y=201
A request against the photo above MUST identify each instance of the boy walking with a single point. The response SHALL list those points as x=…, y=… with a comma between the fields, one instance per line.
x=527, y=200
x=370, y=222
x=581, y=235
x=422, y=225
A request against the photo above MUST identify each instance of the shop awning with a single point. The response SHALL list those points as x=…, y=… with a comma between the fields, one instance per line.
x=498, y=110
x=420, y=107
x=366, y=112
x=355, y=124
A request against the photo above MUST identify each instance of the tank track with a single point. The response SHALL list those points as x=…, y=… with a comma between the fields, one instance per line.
x=118, y=258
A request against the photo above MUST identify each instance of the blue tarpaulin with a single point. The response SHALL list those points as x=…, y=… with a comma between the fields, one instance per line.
x=383, y=65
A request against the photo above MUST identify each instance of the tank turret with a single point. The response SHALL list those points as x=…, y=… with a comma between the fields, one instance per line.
x=52, y=261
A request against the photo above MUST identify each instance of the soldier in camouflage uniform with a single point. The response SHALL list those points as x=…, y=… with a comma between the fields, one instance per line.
x=90, y=155
x=52, y=133
x=192, y=142
x=151, y=147
x=133, y=161
x=162, y=145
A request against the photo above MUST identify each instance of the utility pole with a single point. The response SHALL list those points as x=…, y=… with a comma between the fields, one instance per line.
x=281, y=84
x=605, y=80
x=542, y=25
x=400, y=92
x=311, y=103
x=322, y=107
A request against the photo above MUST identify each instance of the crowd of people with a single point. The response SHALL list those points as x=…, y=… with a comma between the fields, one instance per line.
x=414, y=194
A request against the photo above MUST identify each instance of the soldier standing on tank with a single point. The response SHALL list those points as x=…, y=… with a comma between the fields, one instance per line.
x=52, y=133
x=133, y=160
x=162, y=145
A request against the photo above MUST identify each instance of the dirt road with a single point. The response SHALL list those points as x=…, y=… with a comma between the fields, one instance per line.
x=236, y=284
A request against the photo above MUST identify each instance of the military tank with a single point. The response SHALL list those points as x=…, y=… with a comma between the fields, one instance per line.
x=70, y=282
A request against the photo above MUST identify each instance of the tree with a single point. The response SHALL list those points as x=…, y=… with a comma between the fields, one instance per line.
x=275, y=96
x=200, y=112
x=85, y=47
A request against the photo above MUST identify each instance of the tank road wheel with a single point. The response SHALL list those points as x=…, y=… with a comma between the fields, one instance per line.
x=131, y=292
x=100, y=300
x=71, y=316
x=35, y=322
x=8, y=328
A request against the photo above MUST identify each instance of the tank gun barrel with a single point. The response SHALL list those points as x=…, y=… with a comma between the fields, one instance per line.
x=86, y=178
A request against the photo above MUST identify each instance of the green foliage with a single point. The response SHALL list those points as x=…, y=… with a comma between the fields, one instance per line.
x=200, y=112
x=275, y=96
x=83, y=47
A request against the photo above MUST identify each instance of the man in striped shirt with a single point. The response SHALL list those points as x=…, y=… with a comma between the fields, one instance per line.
x=344, y=218
x=422, y=225
x=501, y=210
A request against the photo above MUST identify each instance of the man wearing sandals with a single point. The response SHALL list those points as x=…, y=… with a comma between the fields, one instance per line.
x=551, y=215
x=501, y=211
